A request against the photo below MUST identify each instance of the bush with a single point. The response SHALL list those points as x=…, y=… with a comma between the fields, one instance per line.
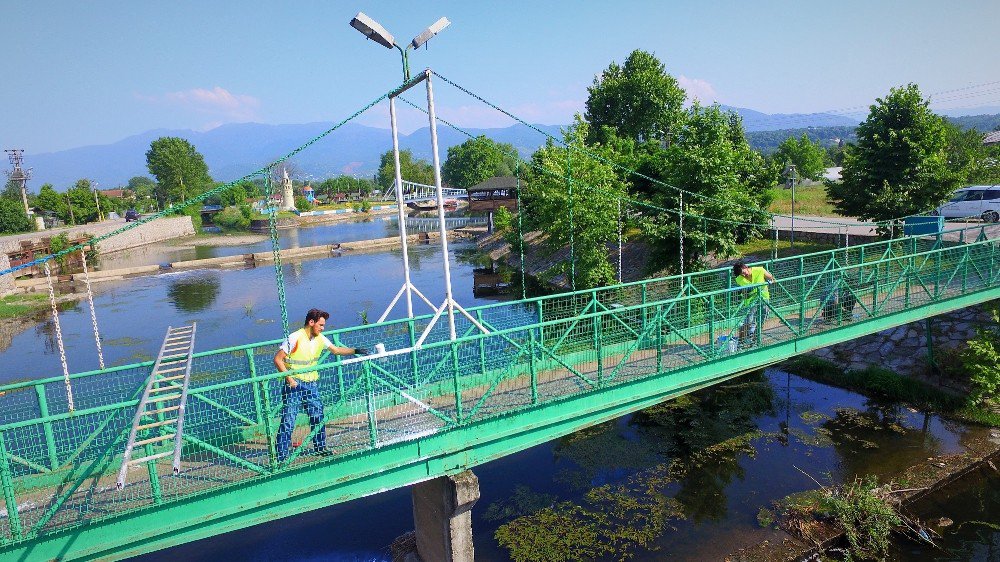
x=232, y=219
x=12, y=217
x=866, y=516
x=363, y=206
x=981, y=360
x=303, y=204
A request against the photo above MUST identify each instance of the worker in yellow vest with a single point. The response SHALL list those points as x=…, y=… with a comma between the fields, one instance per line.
x=300, y=350
x=756, y=299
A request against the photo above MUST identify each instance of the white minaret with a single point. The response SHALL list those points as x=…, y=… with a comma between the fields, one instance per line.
x=287, y=197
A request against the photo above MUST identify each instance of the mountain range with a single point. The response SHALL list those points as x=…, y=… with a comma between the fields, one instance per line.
x=234, y=150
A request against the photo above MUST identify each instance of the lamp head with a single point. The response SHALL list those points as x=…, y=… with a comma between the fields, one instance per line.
x=431, y=31
x=373, y=30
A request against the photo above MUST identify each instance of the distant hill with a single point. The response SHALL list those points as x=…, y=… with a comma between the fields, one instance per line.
x=232, y=151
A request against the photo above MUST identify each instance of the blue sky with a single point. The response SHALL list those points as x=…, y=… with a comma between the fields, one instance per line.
x=79, y=73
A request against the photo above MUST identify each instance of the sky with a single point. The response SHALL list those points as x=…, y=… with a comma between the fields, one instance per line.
x=83, y=73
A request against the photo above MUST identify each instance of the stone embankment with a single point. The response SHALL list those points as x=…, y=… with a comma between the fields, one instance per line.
x=903, y=349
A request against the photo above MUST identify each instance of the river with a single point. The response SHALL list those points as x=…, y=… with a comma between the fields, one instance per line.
x=685, y=480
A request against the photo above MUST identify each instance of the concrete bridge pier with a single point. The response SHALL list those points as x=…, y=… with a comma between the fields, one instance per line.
x=442, y=516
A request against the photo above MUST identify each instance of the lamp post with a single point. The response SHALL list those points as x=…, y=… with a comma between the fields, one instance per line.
x=374, y=31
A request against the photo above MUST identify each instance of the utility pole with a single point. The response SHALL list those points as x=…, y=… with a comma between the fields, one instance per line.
x=19, y=175
x=100, y=215
x=790, y=183
x=69, y=203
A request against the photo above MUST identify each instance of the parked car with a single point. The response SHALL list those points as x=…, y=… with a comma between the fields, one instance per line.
x=131, y=215
x=981, y=201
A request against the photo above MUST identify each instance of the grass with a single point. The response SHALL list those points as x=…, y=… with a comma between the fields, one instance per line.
x=13, y=306
x=762, y=248
x=890, y=386
x=809, y=200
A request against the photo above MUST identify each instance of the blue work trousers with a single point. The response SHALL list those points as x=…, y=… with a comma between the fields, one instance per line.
x=293, y=398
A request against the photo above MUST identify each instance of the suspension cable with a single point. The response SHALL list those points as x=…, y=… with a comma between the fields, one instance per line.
x=59, y=338
x=93, y=311
x=520, y=227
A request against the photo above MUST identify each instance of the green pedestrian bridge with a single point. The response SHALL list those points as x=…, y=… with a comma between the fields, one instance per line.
x=532, y=370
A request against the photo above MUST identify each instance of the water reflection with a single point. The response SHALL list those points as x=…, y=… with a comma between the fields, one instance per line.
x=194, y=292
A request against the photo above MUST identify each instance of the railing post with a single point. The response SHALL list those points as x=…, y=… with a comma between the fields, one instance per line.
x=596, y=338
x=458, y=382
x=370, y=405
x=937, y=273
x=659, y=338
x=10, y=500
x=414, y=364
x=154, y=476
x=802, y=295
x=50, y=440
x=760, y=316
x=262, y=402
x=711, y=324
x=644, y=310
x=532, y=368
x=482, y=345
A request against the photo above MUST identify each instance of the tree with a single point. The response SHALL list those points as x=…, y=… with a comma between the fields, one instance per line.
x=418, y=171
x=12, y=217
x=330, y=187
x=143, y=191
x=711, y=158
x=179, y=169
x=81, y=198
x=975, y=162
x=596, y=191
x=899, y=166
x=477, y=160
x=637, y=100
x=50, y=200
x=808, y=157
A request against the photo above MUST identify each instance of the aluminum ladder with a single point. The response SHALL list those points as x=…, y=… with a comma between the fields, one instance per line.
x=159, y=417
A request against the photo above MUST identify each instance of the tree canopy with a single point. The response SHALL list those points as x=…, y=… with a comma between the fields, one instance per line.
x=899, y=166
x=12, y=217
x=637, y=100
x=419, y=171
x=808, y=157
x=179, y=169
x=477, y=160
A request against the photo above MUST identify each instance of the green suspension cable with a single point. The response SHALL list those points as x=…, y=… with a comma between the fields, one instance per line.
x=279, y=277
x=572, y=253
x=520, y=228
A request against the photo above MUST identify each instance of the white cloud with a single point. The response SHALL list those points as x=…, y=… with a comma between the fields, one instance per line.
x=698, y=89
x=219, y=103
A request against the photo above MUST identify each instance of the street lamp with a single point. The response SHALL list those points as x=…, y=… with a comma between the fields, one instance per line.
x=374, y=31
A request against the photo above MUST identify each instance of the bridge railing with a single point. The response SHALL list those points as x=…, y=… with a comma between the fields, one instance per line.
x=57, y=467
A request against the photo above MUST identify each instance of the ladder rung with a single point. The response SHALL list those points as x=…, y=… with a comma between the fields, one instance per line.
x=180, y=331
x=150, y=458
x=180, y=337
x=172, y=357
x=161, y=371
x=172, y=378
x=155, y=424
x=164, y=388
x=175, y=347
x=164, y=398
x=163, y=410
x=155, y=439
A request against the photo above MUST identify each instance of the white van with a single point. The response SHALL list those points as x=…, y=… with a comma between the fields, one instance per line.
x=981, y=201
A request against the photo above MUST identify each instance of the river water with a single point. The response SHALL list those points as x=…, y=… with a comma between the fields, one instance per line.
x=685, y=480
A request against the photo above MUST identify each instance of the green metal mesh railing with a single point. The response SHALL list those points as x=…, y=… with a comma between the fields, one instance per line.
x=57, y=468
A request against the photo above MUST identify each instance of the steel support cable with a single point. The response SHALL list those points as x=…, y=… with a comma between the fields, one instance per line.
x=593, y=154
x=680, y=227
x=59, y=338
x=620, y=240
x=93, y=311
x=279, y=277
x=197, y=198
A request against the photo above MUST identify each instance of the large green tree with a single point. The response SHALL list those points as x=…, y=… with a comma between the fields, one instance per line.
x=143, y=192
x=727, y=181
x=593, y=221
x=899, y=165
x=49, y=199
x=477, y=160
x=179, y=169
x=808, y=157
x=975, y=162
x=637, y=100
x=419, y=171
x=81, y=207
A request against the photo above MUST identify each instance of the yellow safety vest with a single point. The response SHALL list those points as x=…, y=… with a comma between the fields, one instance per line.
x=756, y=278
x=305, y=353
